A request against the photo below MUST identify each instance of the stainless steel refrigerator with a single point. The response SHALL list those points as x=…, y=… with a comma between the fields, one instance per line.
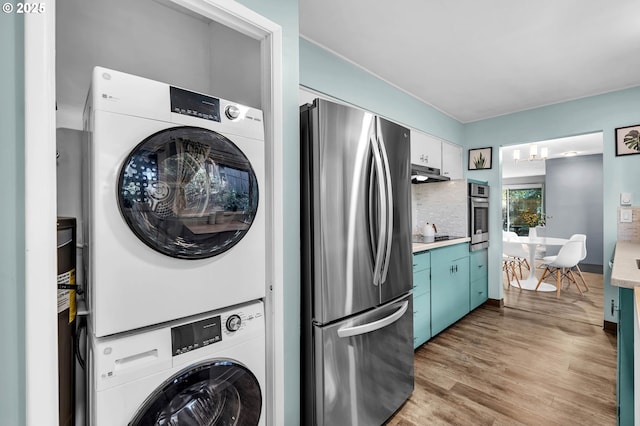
x=357, y=307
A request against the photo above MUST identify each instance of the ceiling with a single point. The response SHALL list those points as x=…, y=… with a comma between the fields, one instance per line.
x=558, y=148
x=479, y=59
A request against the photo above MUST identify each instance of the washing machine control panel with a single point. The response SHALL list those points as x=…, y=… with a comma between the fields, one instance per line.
x=195, y=104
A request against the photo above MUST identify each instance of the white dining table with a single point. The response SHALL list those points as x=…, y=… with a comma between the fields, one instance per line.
x=531, y=281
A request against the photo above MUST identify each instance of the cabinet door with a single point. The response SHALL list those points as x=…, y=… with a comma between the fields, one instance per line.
x=625, y=370
x=421, y=261
x=421, y=273
x=461, y=279
x=425, y=150
x=421, y=319
x=449, y=286
x=421, y=282
x=478, y=292
x=478, y=265
x=421, y=298
x=478, y=281
x=452, y=160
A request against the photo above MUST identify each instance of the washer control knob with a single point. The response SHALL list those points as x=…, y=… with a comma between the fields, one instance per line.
x=232, y=112
x=234, y=322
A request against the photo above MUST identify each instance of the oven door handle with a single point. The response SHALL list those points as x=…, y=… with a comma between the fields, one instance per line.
x=479, y=200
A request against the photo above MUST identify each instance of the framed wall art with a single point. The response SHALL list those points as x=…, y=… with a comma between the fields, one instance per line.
x=480, y=158
x=628, y=140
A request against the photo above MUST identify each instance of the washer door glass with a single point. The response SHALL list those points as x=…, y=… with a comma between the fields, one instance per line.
x=188, y=192
x=218, y=393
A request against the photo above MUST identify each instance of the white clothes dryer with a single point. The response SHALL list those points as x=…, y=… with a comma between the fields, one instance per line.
x=205, y=370
x=174, y=222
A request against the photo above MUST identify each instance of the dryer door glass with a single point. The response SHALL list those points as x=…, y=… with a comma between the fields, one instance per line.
x=211, y=393
x=188, y=192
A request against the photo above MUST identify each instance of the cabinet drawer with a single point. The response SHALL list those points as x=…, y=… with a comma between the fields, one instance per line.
x=421, y=319
x=449, y=253
x=478, y=292
x=421, y=282
x=421, y=261
x=478, y=265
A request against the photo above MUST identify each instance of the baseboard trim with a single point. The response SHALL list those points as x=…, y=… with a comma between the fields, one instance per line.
x=594, y=269
x=496, y=303
x=610, y=327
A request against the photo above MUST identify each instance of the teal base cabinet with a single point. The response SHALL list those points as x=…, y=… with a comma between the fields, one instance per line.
x=421, y=298
x=624, y=382
x=478, y=279
x=449, y=286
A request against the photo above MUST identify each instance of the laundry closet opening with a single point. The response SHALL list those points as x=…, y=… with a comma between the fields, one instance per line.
x=163, y=43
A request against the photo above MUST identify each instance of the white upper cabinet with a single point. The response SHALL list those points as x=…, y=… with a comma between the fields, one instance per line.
x=425, y=150
x=451, y=160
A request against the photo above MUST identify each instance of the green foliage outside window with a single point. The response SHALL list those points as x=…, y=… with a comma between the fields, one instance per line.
x=522, y=209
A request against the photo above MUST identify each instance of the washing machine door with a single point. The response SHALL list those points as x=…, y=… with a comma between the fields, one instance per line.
x=188, y=192
x=221, y=393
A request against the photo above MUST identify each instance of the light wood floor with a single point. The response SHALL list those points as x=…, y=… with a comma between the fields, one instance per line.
x=537, y=361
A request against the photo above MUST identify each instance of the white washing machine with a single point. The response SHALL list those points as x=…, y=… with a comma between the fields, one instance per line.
x=206, y=370
x=174, y=215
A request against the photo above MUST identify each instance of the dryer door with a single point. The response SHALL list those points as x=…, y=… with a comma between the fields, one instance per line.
x=188, y=192
x=219, y=392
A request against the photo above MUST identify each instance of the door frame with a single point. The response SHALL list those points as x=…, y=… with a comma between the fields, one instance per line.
x=41, y=355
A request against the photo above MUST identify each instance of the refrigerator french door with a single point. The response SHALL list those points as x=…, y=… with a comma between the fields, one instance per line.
x=357, y=328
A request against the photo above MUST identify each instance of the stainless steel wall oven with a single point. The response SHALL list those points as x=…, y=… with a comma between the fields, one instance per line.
x=478, y=216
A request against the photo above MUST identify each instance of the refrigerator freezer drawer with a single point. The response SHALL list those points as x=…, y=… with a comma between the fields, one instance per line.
x=363, y=377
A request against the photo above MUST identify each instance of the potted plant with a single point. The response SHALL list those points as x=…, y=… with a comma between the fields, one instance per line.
x=533, y=219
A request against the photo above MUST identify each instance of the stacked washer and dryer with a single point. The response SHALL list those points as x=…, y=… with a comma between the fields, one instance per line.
x=175, y=240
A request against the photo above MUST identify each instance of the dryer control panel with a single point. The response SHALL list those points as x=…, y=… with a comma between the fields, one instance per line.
x=188, y=337
x=195, y=104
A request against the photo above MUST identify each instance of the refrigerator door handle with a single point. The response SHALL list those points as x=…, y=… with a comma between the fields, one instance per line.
x=382, y=192
x=372, y=208
x=375, y=325
x=389, y=202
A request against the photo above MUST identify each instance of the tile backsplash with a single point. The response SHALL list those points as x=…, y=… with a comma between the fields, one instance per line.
x=441, y=203
x=629, y=231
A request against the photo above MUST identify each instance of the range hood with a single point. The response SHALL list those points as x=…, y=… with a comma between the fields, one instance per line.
x=424, y=174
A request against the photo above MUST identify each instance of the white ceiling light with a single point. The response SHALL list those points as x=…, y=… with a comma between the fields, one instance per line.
x=570, y=153
x=533, y=153
x=544, y=152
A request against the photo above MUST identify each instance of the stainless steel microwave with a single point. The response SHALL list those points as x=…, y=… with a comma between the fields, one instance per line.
x=478, y=216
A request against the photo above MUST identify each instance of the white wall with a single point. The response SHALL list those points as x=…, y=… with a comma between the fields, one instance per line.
x=574, y=204
x=149, y=39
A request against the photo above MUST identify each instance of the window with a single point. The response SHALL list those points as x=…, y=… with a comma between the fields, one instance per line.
x=520, y=199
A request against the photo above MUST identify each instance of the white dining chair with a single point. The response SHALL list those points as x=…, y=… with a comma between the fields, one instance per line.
x=536, y=232
x=509, y=236
x=508, y=266
x=563, y=264
x=516, y=251
x=582, y=238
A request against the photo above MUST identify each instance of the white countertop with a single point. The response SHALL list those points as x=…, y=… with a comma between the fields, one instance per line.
x=418, y=247
x=625, y=272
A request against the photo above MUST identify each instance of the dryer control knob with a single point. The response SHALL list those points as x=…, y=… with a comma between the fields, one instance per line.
x=232, y=112
x=234, y=322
